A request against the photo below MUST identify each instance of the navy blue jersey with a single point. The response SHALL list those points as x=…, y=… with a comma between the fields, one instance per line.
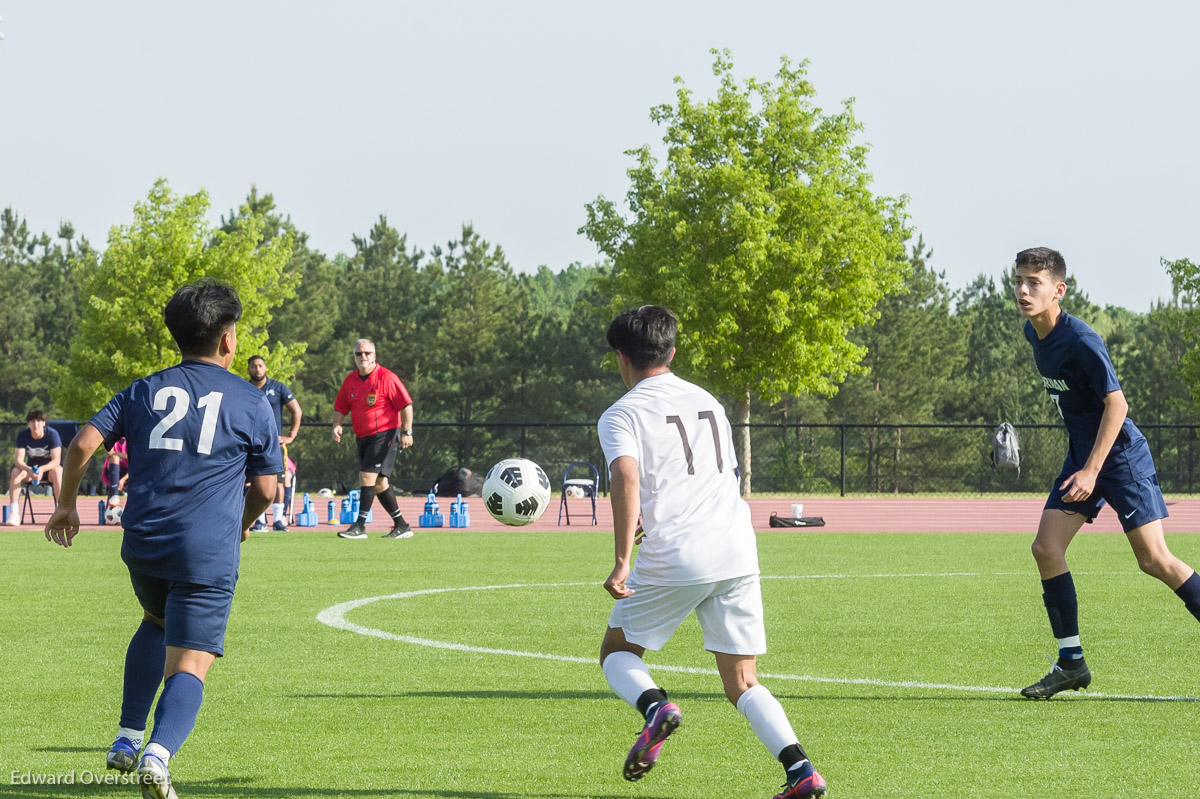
x=37, y=450
x=194, y=432
x=278, y=395
x=1078, y=375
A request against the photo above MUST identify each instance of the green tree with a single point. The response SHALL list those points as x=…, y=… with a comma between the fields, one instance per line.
x=1185, y=280
x=761, y=232
x=169, y=244
x=912, y=354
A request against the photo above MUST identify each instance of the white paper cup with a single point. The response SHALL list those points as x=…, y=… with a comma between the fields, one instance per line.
x=797, y=510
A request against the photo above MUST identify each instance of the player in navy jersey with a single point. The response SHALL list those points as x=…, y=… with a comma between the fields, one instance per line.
x=279, y=396
x=194, y=432
x=1108, y=462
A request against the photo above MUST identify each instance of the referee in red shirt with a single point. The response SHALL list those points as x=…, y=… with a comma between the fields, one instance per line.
x=381, y=411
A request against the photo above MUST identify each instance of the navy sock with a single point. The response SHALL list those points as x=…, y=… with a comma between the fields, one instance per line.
x=1189, y=592
x=113, y=472
x=365, y=497
x=649, y=697
x=1062, y=607
x=175, y=715
x=791, y=755
x=144, y=660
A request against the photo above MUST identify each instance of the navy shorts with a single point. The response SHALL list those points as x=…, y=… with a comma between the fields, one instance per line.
x=1136, y=502
x=195, y=615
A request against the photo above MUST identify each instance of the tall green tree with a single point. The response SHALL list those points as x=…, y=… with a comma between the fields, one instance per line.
x=169, y=244
x=761, y=232
x=1185, y=280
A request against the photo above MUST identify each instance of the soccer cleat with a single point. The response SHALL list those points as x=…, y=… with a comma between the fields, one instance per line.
x=355, y=530
x=807, y=783
x=123, y=756
x=154, y=778
x=279, y=526
x=400, y=531
x=1059, y=679
x=663, y=721
x=258, y=527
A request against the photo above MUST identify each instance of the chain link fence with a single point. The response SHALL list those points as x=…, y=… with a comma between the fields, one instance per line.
x=794, y=459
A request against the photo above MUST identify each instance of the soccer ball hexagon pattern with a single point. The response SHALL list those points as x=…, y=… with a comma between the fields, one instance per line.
x=113, y=515
x=516, y=492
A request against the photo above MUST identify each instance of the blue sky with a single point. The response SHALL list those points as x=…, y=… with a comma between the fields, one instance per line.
x=1069, y=125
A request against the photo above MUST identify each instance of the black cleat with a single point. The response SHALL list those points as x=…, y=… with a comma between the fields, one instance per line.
x=355, y=530
x=1058, y=680
x=400, y=531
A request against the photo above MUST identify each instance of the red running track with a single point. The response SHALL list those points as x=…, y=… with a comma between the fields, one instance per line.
x=841, y=515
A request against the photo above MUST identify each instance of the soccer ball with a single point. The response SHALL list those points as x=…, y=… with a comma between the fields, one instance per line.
x=516, y=492
x=575, y=492
x=113, y=515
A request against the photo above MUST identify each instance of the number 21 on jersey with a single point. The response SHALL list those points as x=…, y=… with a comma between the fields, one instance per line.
x=180, y=404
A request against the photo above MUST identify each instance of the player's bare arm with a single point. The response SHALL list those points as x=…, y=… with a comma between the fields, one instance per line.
x=338, y=418
x=1080, y=485
x=259, y=497
x=626, y=505
x=19, y=461
x=64, y=522
x=297, y=414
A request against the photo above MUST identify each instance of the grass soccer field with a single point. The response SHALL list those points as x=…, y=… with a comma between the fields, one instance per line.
x=897, y=657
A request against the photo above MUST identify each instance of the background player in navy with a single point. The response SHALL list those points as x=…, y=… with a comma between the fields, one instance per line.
x=37, y=446
x=1108, y=461
x=280, y=397
x=194, y=433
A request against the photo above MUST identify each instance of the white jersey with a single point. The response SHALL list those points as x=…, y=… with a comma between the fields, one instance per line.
x=697, y=525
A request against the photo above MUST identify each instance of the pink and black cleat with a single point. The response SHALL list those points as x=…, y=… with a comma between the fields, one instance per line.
x=808, y=783
x=664, y=721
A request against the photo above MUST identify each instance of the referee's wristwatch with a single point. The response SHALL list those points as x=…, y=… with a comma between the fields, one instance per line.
x=407, y=433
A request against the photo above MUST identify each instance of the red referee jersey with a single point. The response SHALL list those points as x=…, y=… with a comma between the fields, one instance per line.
x=374, y=402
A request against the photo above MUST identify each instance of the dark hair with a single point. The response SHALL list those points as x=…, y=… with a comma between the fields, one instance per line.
x=35, y=416
x=1045, y=259
x=200, y=313
x=254, y=358
x=646, y=335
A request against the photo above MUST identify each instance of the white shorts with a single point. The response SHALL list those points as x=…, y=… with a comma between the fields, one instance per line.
x=730, y=614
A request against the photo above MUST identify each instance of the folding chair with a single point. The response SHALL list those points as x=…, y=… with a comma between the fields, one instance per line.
x=590, y=486
x=27, y=501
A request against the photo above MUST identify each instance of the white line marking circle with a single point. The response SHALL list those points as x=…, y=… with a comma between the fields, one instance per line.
x=335, y=617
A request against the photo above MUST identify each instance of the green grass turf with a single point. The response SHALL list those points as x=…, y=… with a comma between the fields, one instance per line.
x=300, y=709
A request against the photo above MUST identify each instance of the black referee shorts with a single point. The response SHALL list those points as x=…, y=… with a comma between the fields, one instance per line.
x=377, y=452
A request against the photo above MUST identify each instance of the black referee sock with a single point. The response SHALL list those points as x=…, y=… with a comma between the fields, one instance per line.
x=365, y=498
x=388, y=500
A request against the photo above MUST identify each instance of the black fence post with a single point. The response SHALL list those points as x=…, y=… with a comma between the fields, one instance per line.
x=843, y=480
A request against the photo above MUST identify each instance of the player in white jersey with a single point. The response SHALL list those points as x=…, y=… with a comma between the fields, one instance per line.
x=669, y=448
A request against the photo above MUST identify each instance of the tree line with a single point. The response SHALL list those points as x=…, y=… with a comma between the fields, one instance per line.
x=803, y=297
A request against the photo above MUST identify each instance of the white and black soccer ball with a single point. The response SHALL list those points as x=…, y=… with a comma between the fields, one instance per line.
x=112, y=515
x=516, y=492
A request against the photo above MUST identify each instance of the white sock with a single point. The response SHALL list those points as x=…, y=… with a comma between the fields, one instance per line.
x=261, y=519
x=767, y=719
x=135, y=736
x=276, y=511
x=628, y=676
x=159, y=750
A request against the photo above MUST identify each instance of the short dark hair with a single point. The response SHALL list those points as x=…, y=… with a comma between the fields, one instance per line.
x=199, y=313
x=35, y=416
x=646, y=335
x=254, y=358
x=1044, y=259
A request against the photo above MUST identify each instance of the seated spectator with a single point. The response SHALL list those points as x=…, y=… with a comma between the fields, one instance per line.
x=115, y=474
x=38, y=457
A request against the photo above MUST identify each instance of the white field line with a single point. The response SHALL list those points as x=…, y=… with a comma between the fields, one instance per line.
x=335, y=617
